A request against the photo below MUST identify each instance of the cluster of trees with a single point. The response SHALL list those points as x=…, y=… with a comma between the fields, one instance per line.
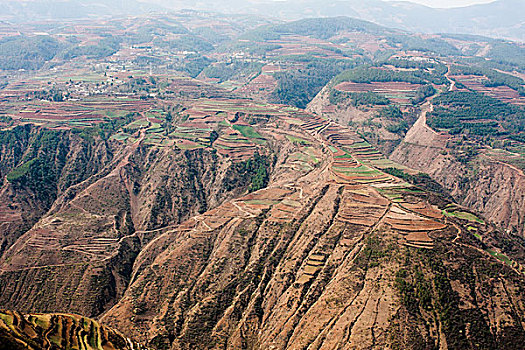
x=415, y=43
x=476, y=114
x=394, y=113
x=21, y=52
x=226, y=71
x=368, y=74
x=298, y=87
x=254, y=48
x=398, y=128
x=391, y=113
x=438, y=68
x=508, y=53
x=148, y=31
x=368, y=99
x=188, y=42
x=49, y=95
x=40, y=167
x=253, y=172
x=504, y=55
x=422, y=93
x=104, y=48
x=489, y=64
x=495, y=78
x=37, y=156
x=106, y=129
x=195, y=64
x=419, y=179
x=321, y=28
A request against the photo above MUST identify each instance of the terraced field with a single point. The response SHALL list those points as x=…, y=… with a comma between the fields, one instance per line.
x=503, y=93
x=370, y=197
x=261, y=87
x=59, y=331
x=327, y=212
x=66, y=115
x=398, y=92
x=317, y=235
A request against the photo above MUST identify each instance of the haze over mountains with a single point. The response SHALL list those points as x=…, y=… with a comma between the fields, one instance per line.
x=502, y=18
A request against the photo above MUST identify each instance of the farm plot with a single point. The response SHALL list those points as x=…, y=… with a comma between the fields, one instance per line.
x=285, y=211
x=513, y=154
x=233, y=144
x=398, y=92
x=423, y=208
x=503, y=93
x=262, y=86
x=339, y=136
x=414, y=228
x=352, y=156
x=361, y=206
x=293, y=45
x=232, y=106
x=347, y=169
x=190, y=132
x=303, y=160
x=453, y=211
x=365, y=152
x=73, y=114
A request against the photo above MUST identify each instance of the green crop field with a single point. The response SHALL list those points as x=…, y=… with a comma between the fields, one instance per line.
x=298, y=140
x=463, y=215
x=248, y=131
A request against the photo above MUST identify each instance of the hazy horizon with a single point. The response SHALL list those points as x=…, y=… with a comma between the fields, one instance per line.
x=447, y=3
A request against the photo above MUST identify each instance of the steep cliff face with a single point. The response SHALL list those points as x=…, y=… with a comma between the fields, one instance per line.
x=79, y=253
x=340, y=255
x=492, y=188
x=36, y=167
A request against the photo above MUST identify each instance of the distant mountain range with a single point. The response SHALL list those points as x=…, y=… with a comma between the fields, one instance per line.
x=501, y=19
x=35, y=10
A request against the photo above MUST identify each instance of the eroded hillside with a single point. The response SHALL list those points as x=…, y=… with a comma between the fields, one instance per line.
x=79, y=252
x=342, y=255
x=150, y=180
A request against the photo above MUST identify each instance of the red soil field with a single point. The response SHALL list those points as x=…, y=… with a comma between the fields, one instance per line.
x=503, y=93
x=377, y=87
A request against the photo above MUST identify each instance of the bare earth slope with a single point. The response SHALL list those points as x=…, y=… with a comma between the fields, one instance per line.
x=77, y=257
x=493, y=188
x=340, y=256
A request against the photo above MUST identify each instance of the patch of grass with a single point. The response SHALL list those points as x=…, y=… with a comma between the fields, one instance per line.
x=19, y=172
x=499, y=256
x=261, y=202
x=8, y=320
x=138, y=124
x=360, y=145
x=298, y=140
x=120, y=136
x=247, y=131
x=189, y=146
x=463, y=215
